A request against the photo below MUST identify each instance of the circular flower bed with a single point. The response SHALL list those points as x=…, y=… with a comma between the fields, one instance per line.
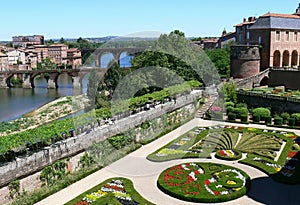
x=230, y=155
x=204, y=182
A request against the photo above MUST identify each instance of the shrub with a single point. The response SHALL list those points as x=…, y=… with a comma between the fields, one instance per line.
x=278, y=121
x=241, y=105
x=292, y=121
x=262, y=112
x=297, y=118
x=268, y=120
x=241, y=111
x=285, y=116
x=229, y=104
x=231, y=116
x=230, y=109
x=244, y=118
x=217, y=115
x=256, y=118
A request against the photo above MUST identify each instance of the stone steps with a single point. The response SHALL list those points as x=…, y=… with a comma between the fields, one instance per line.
x=201, y=112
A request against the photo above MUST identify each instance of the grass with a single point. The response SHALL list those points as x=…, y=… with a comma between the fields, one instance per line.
x=110, y=198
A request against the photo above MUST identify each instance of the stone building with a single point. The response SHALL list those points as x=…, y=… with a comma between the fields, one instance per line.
x=74, y=57
x=25, y=41
x=277, y=36
x=58, y=53
x=3, y=62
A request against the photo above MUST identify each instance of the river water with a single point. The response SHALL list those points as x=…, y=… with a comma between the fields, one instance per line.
x=14, y=102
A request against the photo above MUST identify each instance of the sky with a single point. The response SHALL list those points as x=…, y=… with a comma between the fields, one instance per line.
x=97, y=18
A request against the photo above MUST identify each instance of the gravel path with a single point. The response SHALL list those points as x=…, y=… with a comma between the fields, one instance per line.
x=144, y=175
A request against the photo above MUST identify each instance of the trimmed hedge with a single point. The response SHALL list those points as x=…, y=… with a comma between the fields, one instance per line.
x=292, y=121
x=262, y=112
x=268, y=120
x=244, y=118
x=231, y=116
x=278, y=121
x=256, y=118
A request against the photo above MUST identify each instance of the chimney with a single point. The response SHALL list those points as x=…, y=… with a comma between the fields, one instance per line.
x=244, y=19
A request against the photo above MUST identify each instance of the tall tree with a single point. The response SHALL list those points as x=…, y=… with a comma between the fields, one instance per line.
x=92, y=88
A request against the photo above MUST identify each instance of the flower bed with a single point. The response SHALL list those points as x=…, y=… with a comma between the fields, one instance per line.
x=230, y=155
x=112, y=191
x=204, y=182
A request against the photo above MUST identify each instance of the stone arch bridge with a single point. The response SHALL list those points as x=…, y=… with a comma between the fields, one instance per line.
x=51, y=76
x=116, y=53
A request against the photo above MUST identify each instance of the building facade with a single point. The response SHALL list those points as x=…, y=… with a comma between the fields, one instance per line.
x=276, y=35
x=25, y=41
x=3, y=62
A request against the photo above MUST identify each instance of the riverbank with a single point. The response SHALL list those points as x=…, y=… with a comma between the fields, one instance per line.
x=54, y=110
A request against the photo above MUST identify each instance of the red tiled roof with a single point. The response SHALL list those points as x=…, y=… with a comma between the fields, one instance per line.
x=281, y=15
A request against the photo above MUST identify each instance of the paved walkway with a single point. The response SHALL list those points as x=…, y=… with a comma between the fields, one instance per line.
x=144, y=175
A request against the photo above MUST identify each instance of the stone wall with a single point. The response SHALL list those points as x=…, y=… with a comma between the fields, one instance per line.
x=26, y=166
x=288, y=78
x=277, y=105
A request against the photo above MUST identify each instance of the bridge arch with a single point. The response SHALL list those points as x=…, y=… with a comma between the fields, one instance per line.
x=276, y=58
x=286, y=58
x=125, y=59
x=105, y=58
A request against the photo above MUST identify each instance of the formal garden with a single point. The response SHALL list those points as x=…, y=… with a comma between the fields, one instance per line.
x=204, y=182
x=274, y=152
x=111, y=191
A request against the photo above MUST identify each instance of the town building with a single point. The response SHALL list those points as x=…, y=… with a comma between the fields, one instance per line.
x=3, y=62
x=16, y=57
x=277, y=36
x=25, y=41
x=74, y=57
x=226, y=38
x=58, y=53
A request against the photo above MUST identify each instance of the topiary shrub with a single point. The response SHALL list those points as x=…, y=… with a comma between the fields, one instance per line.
x=278, y=121
x=268, y=120
x=256, y=118
x=231, y=116
x=229, y=104
x=244, y=118
x=241, y=111
x=285, y=116
x=230, y=109
x=262, y=112
x=292, y=122
x=297, y=118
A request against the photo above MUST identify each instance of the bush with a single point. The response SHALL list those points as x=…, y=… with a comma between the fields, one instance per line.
x=268, y=120
x=241, y=105
x=217, y=116
x=262, y=112
x=244, y=118
x=278, y=121
x=230, y=109
x=229, y=104
x=285, y=116
x=292, y=121
x=231, y=116
x=241, y=111
x=256, y=118
x=297, y=118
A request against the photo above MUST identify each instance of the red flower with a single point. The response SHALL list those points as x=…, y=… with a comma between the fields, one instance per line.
x=292, y=154
x=82, y=203
x=207, y=182
x=222, y=153
x=216, y=193
x=197, y=172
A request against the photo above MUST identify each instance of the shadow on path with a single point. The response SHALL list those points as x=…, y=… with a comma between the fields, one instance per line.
x=265, y=190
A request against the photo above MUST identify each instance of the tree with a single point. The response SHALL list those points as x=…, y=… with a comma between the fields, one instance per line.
x=92, y=88
x=62, y=40
x=229, y=90
x=49, y=41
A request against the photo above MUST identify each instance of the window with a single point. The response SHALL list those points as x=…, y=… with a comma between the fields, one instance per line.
x=277, y=35
x=248, y=35
x=287, y=36
x=296, y=36
x=259, y=39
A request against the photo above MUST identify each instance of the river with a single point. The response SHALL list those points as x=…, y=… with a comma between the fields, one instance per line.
x=15, y=102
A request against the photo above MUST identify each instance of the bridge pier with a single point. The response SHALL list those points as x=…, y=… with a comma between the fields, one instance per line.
x=76, y=82
x=52, y=80
x=26, y=81
x=3, y=83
